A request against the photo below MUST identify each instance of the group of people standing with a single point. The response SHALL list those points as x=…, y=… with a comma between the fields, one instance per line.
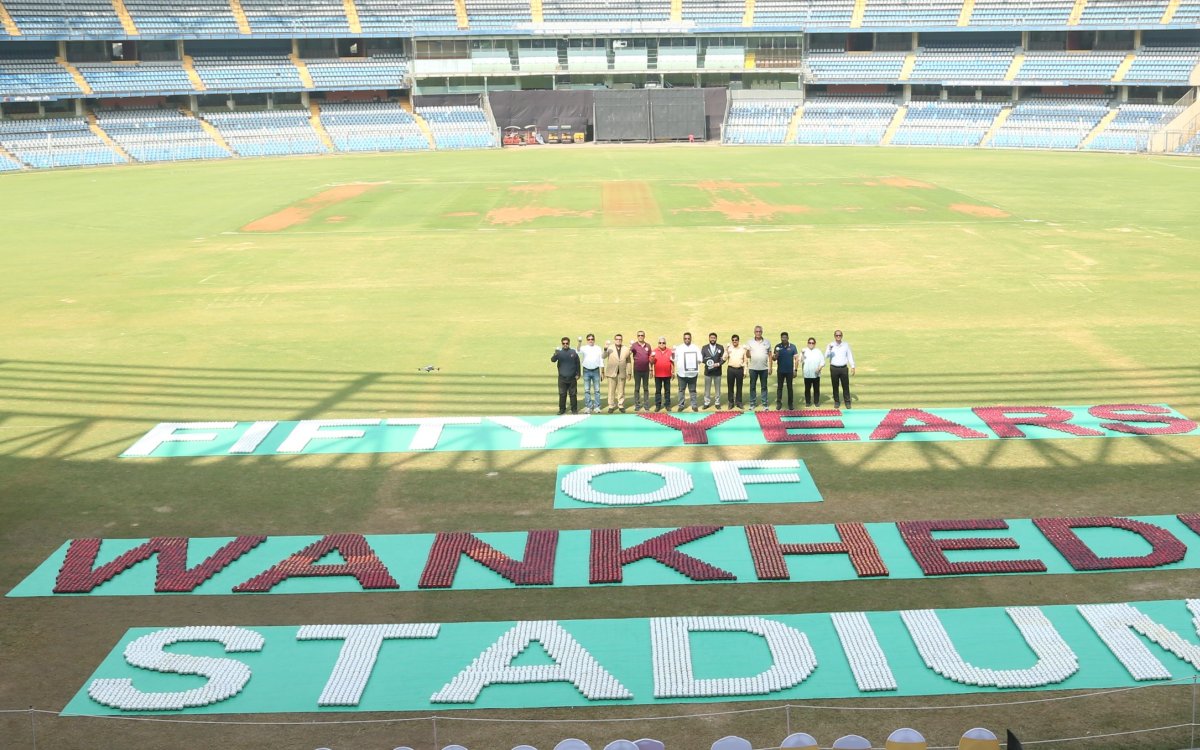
x=618, y=363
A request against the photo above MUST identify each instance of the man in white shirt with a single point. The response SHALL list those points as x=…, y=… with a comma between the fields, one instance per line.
x=591, y=358
x=687, y=367
x=759, y=365
x=841, y=367
x=812, y=361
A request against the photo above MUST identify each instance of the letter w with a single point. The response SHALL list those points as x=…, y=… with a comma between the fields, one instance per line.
x=79, y=575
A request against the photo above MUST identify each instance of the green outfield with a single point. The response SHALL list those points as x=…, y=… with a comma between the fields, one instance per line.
x=294, y=289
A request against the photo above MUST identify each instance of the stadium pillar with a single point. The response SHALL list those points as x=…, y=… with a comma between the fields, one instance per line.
x=907, y=92
x=304, y=99
x=179, y=49
x=193, y=102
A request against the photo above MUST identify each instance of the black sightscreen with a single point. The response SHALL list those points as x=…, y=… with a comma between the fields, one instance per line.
x=622, y=115
x=676, y=114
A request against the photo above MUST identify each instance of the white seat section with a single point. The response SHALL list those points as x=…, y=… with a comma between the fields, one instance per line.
x=459, y=126
x=267, y=132
x=1050, y=122
x=56, y=142
x=372, y=126
x=759, y=121
x=150, y=135
x=845, y=120
x=1132, y=128
x=946, y=124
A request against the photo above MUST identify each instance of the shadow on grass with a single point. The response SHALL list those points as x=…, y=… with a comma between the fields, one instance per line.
x=68, y=409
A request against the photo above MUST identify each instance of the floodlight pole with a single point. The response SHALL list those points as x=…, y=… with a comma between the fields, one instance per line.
x=787, y=712
x=435, y=737
x=33, y=727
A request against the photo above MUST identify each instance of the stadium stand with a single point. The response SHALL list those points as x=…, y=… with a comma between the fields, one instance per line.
x=1019, y=13
x=899, y=14
x=1131, y=129
x=1191, y=146
x=127, y=79
x=83, y=19
x=861, y=67
x=499, y=15
x=1057, y=123
x=379, y=72
x=1123, y=13
x=946, y=123
x=1070, y=66
x=372, y=126
x=296, y=17
x=962, y=64
x=191, y=18
x=859, y=64
x=458, y=126
x=619, y=13
x=35, y=78
x=234, y=73
x=845, y=121
x=9, y=165
x=833, y=13
x=715, y=13
x=1188, y=12
x=267, y=133
x=769, y=13
x=56, y=142
x=757, y=122
x=1170, y=65
x=150, y=135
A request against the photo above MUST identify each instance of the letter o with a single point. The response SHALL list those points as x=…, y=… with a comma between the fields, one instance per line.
x=578, y=484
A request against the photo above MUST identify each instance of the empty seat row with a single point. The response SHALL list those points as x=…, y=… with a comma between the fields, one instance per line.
x=372, y=126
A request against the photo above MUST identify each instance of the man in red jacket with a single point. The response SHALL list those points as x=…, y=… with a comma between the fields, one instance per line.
x=663, y=361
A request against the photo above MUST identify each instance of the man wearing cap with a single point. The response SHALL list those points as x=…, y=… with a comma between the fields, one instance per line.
x=664, y=369
x=568, y=375
x=641, y=372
